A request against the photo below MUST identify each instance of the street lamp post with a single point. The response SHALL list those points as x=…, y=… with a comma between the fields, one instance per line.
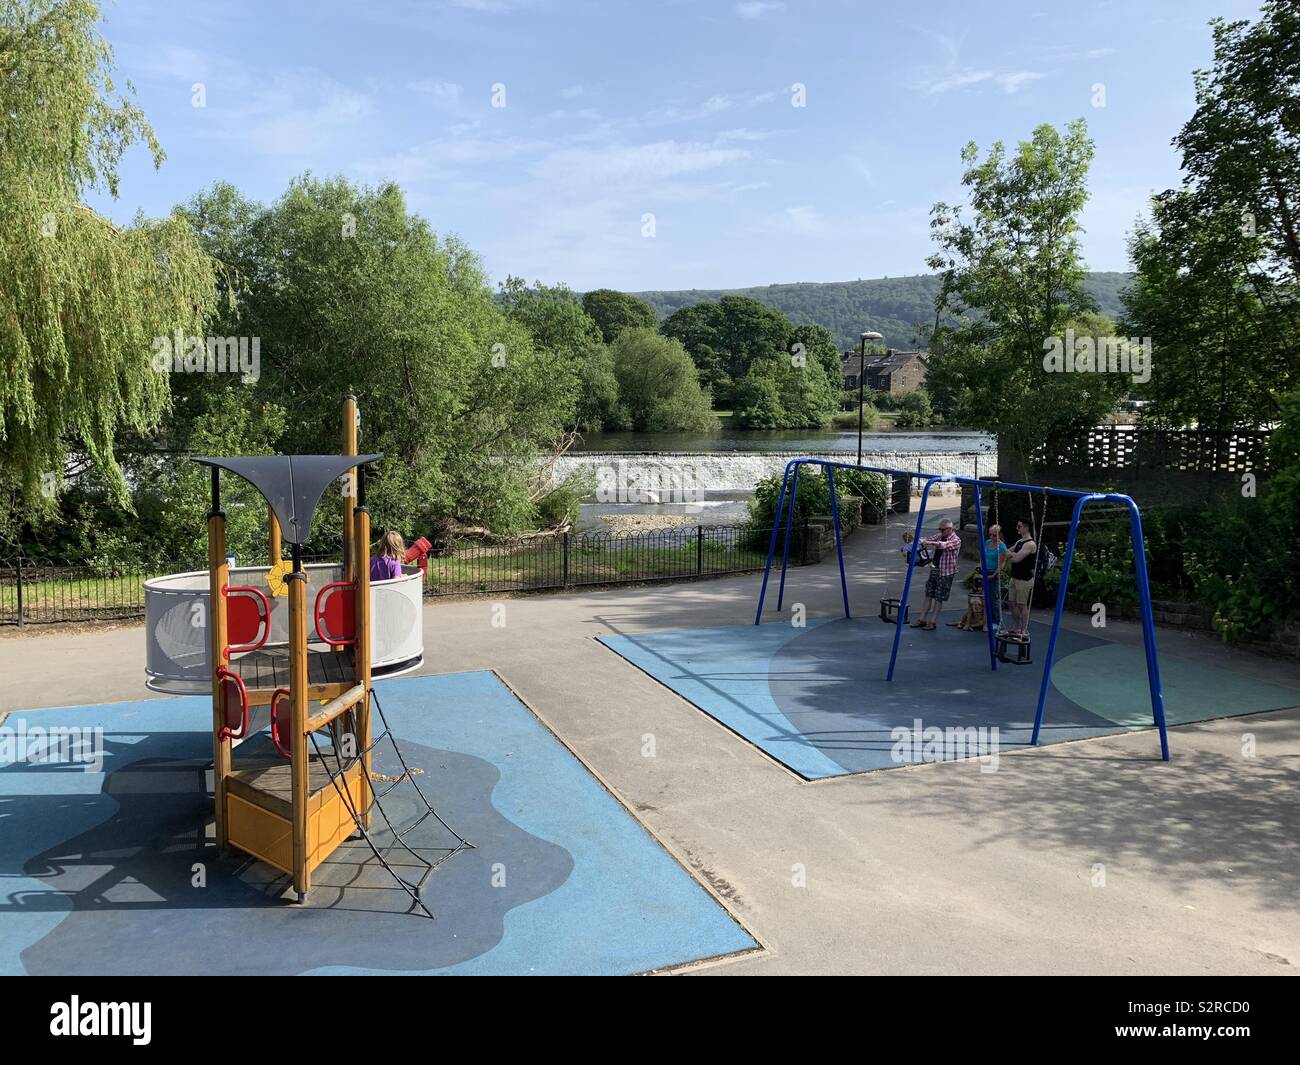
x=862, y=377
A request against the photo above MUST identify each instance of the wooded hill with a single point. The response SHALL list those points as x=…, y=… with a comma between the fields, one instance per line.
x=894, y=306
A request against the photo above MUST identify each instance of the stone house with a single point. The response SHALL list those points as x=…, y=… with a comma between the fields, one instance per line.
x=895, y=372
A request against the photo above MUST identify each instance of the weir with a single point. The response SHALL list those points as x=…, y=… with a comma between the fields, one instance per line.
x=681, y=476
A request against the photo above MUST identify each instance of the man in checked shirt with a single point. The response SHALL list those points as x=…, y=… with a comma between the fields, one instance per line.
x=943, y=551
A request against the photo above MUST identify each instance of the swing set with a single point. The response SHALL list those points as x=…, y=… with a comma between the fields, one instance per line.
x=897, y=611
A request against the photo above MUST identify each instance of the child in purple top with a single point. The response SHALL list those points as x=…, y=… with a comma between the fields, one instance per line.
x=387, y=561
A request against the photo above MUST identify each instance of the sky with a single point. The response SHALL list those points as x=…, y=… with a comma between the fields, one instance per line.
x=660, y=145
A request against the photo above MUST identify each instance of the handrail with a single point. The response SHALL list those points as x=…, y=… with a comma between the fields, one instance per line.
x=227, y=732
x=284, y=750
x=318, y=613
x=264, y=618
x=336, y=707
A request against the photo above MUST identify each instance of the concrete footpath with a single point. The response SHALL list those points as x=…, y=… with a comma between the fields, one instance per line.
x=1087, y=857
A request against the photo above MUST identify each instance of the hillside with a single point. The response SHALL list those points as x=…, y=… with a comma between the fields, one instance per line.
x=894, y=306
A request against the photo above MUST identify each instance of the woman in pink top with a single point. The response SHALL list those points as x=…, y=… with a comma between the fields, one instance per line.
x=387, y=560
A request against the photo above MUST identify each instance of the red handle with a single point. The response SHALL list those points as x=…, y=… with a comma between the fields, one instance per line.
x=263, y=616
x=321, y=597
x=226, y=677
x=281, y=745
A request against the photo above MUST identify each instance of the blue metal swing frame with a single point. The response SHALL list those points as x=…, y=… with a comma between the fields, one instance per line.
x=790, y=489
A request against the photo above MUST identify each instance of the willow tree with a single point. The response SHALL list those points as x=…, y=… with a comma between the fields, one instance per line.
x=81, y=300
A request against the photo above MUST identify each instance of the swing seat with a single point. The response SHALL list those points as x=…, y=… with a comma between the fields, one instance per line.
x=1023, y=647
x=889, y=611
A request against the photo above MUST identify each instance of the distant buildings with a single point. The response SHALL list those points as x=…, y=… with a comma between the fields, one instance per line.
x=895, y=372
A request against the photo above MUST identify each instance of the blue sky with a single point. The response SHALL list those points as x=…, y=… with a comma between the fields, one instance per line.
x=683, y=110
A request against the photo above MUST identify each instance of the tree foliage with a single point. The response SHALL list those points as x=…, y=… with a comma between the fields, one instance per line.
x=1218, y=261
x=659, y=385
x=725, y=338
x=1012, y=279
x=348, y=291
x=615, y=311
x=81, y=300
x=1241, y=147
x=1224, y=337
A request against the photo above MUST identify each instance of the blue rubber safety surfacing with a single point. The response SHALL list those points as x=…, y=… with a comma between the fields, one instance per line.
x=102, y=869
x=815, y=698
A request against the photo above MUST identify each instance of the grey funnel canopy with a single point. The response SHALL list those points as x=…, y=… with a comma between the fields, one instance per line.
x=291, y=484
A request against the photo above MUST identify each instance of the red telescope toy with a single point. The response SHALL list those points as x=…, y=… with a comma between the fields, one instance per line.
x=418, y=553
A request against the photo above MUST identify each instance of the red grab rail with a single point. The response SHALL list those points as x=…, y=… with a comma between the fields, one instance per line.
x=248, y=612
x=281, y=734
x=336, y=605
x=234, y=705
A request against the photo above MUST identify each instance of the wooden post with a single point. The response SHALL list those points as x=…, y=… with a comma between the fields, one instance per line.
x=273, y=537
x=218, y=577
x=298, y=743
x=361, y=543
x=349, y=447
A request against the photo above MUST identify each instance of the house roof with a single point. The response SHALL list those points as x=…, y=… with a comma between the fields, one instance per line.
x=887, y=363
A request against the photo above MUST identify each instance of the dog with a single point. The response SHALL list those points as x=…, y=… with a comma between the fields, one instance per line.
x=973, y=619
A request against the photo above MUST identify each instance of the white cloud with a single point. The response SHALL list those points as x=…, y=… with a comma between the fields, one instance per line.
x=294, y=114
x=756, y=9
x=1008, y=82
x=637, y=164
x=959, y=80
x=444, y=92
x=1013, y=83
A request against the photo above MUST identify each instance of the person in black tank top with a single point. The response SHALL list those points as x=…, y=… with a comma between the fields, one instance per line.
x=1023, y=556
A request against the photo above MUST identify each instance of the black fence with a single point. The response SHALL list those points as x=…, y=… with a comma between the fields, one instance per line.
x=567, y=560
x=35, y=592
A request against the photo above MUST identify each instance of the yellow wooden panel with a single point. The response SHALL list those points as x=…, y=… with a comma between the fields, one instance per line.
x=260, y=833
x=331, y=823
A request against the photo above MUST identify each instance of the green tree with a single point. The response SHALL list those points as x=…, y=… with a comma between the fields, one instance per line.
x=1241, y=147
x=1012, y=280
x=1282, y=490
x=348, y=291
x=818, y=343
x=615, y=311
x=785, y=392
x=724, y=339
x=698, y=329
x=1224, y=338
x=914, y=410
x=560, y=324
x=81, y=300
x=659, y=385
x=1218, y=262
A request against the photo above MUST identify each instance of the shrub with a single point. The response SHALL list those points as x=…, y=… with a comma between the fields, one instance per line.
x=848, y=419
x=914, y=411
